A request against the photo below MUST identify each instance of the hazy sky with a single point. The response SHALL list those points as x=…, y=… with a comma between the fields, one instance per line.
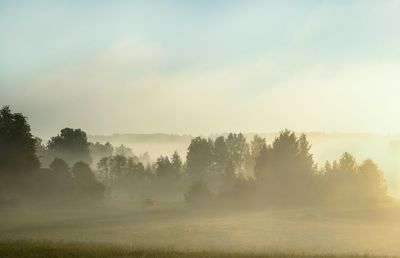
x=202, y=67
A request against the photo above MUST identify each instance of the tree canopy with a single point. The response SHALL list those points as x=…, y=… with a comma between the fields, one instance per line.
x=17, y=144
x=71, y=145
x=221, y=169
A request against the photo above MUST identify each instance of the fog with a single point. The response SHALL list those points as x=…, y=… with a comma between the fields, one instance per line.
x=311, y=230
x=384, y=148
x=226, y=128
x=281, y=192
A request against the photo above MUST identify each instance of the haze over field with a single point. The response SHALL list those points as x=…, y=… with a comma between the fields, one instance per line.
x=199, y=128
x=385, y=149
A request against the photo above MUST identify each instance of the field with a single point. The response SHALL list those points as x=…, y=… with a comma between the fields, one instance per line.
x=59, y=249
x=117, y=231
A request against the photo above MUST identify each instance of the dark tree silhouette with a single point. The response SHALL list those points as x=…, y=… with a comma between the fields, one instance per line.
x=164, y=168
x=136, y=169
x=199, y=157
x=103, y=167
x=82, y=172
x=71, y=145
x=263, y=162
x=40, y=150
x=61, y=167
x=17, y=144
x=285, y=170
x=118, y=166
x=239, y=152
x=99, y=151
x=86, y=182
x=176, y=163
x=257, y=144
x=221, y=155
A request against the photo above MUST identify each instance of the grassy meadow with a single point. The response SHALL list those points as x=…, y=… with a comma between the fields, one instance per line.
x=118, y=231
x=27, y=248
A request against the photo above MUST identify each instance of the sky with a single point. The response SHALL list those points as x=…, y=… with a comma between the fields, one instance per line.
x=202, y=67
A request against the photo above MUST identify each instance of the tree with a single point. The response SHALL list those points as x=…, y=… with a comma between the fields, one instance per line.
x=346, y=181
x=17, y=144
x=82, y=172
x=347, y=163
x=123, y=173
x=103, y=167
x=257, y=144
x=199, y=157
x=176, y=163
x=98, y=150
x=221, y=155
x=123, y=151
x=263, y=163
x=342, y=173
x=71, y=145
x=60, y=167
x=136, y=169
x=164, y=168
x=114, y=168
x=371, y=180
x=305, y=161
x=341, y=179
x=118, y=166
x=286, y=169
x=41, y=151
x=239, y=152
x=57, y=181
x=166, y=175
x=87, y=184
x=291, y=155
x=135, y=175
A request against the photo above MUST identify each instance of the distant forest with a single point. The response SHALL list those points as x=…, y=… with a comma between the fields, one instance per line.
x=227, y=170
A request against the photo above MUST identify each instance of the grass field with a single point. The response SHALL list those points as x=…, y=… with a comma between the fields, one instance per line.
x=25, y=248
x=118, y=231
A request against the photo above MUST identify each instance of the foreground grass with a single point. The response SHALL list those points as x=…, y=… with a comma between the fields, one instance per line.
x=33, y=248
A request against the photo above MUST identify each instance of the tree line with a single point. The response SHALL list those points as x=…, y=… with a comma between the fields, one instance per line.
x=225, y=170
